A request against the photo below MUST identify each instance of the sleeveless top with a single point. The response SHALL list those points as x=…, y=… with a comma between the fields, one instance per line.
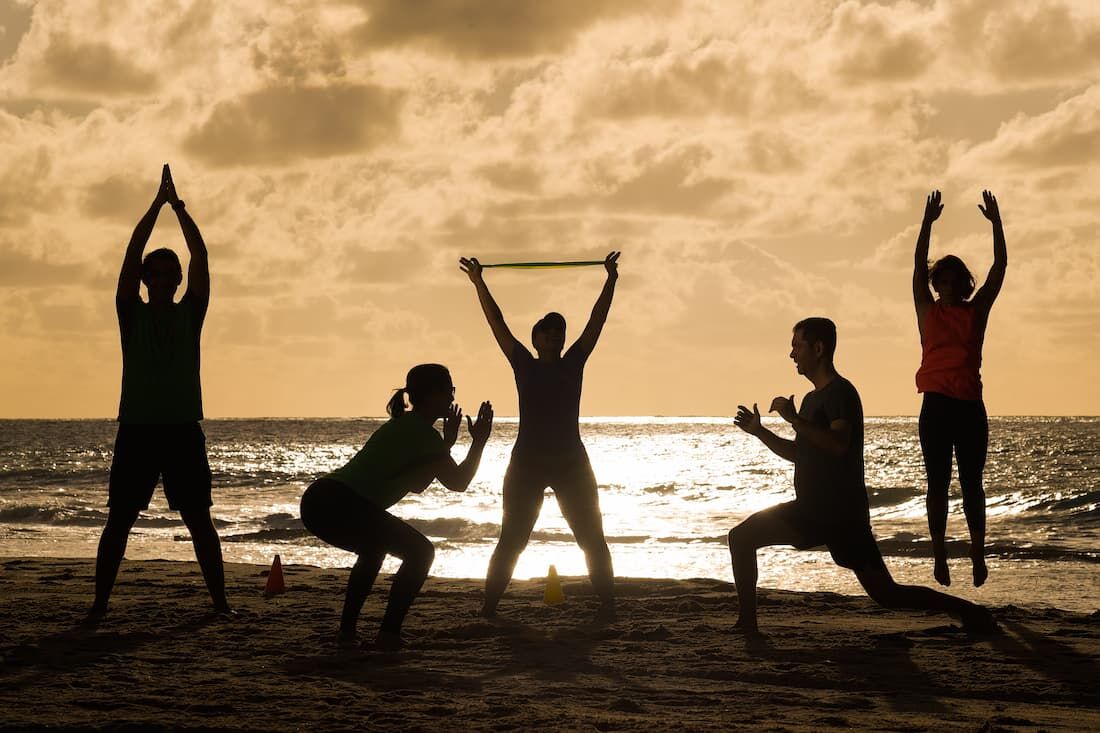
x=951, y=352
x=160, y=363
x=549, y=408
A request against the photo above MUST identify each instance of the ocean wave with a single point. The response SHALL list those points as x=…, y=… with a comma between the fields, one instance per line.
x=1084, y=504
x=885, y=496
x=83, y=517
x=30, y=514
x=56, y=475
x=904, y=544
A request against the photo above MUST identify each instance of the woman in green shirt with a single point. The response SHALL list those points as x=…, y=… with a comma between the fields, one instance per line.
x=347, y=508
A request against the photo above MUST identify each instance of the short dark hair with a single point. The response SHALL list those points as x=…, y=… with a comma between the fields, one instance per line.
x=818, y=330
x=551, y=320
x=951, y=263
x=161, y=255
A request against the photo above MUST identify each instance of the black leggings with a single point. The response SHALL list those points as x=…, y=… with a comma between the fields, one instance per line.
x=339, y=516
x=947, y=426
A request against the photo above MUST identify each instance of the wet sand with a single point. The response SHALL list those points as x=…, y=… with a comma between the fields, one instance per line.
x=162, y=661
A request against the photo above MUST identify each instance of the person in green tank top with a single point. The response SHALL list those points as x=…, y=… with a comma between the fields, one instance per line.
x=161, y=404
x=347, y=508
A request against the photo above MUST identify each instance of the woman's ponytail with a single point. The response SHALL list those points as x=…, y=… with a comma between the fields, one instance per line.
x=420, y=381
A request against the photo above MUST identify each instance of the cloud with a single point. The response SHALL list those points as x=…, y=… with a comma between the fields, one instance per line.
x=95, y=68
x=491, y=29
x=1050, y=41
x=22, y=270
x=513, y=177
x=23, y=176
x=15, y=21
x=1068, y=135
x=870, y=44
x=281, y=124
x=675, y=183
x=117, y=197
x=717, y=79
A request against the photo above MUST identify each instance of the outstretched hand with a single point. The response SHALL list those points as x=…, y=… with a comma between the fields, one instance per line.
x=932, y=207
x=452, y=421
x=611, y=264
x=990, y=211
x=748, y=420
x=785, y=407
x=471, y=267
x=480, y=429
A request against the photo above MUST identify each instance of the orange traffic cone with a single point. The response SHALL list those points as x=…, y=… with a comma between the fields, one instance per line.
x=553, y=594
x=275, y=583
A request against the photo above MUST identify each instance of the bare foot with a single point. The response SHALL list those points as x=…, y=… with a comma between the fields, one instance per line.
x=981, y=572
x=941, y=572
x=347, y=640
x=388, y=642
x=94, y=616
x=605, y=614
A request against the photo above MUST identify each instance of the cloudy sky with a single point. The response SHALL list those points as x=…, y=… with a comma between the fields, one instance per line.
x=755, y=162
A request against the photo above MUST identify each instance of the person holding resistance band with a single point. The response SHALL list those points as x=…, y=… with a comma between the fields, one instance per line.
x=347, y=508
x=548, y=450
x=952, y=416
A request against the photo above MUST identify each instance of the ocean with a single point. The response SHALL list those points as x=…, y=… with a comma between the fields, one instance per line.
x=670, y=490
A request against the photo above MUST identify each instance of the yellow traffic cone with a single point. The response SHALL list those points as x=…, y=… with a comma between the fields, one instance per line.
x=553, y=595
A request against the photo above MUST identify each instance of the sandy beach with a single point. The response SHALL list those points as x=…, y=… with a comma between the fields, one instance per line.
x=161, y=661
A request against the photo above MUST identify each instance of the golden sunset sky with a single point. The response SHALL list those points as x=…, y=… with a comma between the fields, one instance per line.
x=755, y=162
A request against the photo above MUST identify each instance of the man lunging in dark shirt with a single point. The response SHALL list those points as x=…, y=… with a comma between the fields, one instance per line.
x=830, y=506
x=548, y=449
x=161, y=404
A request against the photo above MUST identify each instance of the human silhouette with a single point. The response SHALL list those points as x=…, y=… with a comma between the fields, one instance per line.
x=830, y=506
x=952, y=417
x=159, y=435
x=347, y=508
x=548, y=451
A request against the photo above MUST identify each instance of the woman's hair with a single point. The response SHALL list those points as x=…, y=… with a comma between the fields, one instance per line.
x=950, y=264
x=421, y=379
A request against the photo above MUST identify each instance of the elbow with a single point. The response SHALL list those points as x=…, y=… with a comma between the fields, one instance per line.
x=457, y=484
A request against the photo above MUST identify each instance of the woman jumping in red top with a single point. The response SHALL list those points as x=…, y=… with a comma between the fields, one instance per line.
x=952, y=416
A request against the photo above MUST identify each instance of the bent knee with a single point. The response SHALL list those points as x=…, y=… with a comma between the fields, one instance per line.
x=739, y=538
x=422, y=554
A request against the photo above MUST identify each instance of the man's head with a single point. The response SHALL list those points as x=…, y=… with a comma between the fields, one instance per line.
x=548, y=335
x=162, y=274
x=813, y=343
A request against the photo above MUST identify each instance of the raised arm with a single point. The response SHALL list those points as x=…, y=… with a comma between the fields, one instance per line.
x=922, y=294
x=591, y=334
x=129, y=277
x=989, y=290
x=749, y=421
x=198, y=271
x=457, y=476
x=507, y=342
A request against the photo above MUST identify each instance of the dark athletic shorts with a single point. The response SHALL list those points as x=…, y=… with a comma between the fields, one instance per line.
x=145, y=453
x=851, y=543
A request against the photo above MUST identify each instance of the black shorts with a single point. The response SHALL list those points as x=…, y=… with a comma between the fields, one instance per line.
x=850, y=542
x=145, y=453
